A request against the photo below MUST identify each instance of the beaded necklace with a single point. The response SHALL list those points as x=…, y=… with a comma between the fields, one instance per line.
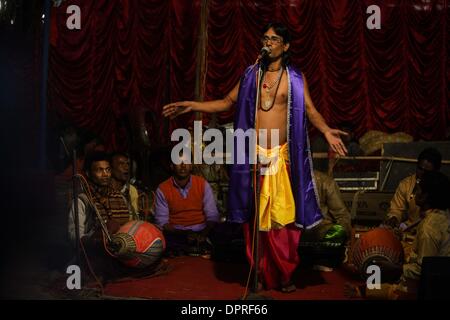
x=269, y=103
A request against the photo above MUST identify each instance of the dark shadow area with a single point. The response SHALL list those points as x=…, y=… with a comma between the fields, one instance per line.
x=228, y=255
x=232, y=272
x=435, y=279
x=305, y=277
x=28, y=235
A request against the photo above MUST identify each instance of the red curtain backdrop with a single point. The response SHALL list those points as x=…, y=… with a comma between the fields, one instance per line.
x=127, y=55
x=133, y=55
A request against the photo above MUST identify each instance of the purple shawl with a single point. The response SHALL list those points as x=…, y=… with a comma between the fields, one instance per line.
x=240, y=197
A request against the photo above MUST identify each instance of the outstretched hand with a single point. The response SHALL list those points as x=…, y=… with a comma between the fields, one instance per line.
x=333, y=137
x=174, y=109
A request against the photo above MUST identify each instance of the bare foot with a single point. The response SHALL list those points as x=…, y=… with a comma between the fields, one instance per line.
x=288, y=288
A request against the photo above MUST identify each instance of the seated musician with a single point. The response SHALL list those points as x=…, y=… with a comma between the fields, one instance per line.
x=186, y=211
x=110, y=206
x=433, y=239
x=335, y=228
x=404, y=211
x=120, y=176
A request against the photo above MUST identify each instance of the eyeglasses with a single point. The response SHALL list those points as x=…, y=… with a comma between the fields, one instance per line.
x=273, y=39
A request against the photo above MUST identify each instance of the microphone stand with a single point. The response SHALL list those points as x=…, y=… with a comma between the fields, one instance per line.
x=75, y=207
x=257, y=187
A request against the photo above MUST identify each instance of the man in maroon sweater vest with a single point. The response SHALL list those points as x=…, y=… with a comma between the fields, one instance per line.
x=186, y=211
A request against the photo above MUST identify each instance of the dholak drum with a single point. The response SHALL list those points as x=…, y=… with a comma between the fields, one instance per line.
x=138, y=244
x=379, y=244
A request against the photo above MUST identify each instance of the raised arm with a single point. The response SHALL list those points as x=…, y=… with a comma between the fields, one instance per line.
x=176, y=108
x=332, y=135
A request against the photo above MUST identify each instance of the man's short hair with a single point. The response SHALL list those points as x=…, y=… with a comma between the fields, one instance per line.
x=119, y=154
x=432, y=155
x=94, y=157
x=437, y=187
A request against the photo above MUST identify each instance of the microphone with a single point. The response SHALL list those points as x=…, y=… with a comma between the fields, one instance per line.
x=265, y=51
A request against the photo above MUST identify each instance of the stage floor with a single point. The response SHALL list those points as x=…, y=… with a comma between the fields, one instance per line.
x=196, y=278
x=189, y=278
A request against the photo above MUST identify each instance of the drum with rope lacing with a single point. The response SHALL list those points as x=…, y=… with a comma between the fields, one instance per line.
x=376, y=244
x=138, y=244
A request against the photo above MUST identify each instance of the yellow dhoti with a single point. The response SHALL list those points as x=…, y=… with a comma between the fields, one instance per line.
x=276, y=206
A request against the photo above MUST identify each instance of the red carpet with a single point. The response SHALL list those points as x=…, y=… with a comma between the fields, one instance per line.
x=195, y=278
